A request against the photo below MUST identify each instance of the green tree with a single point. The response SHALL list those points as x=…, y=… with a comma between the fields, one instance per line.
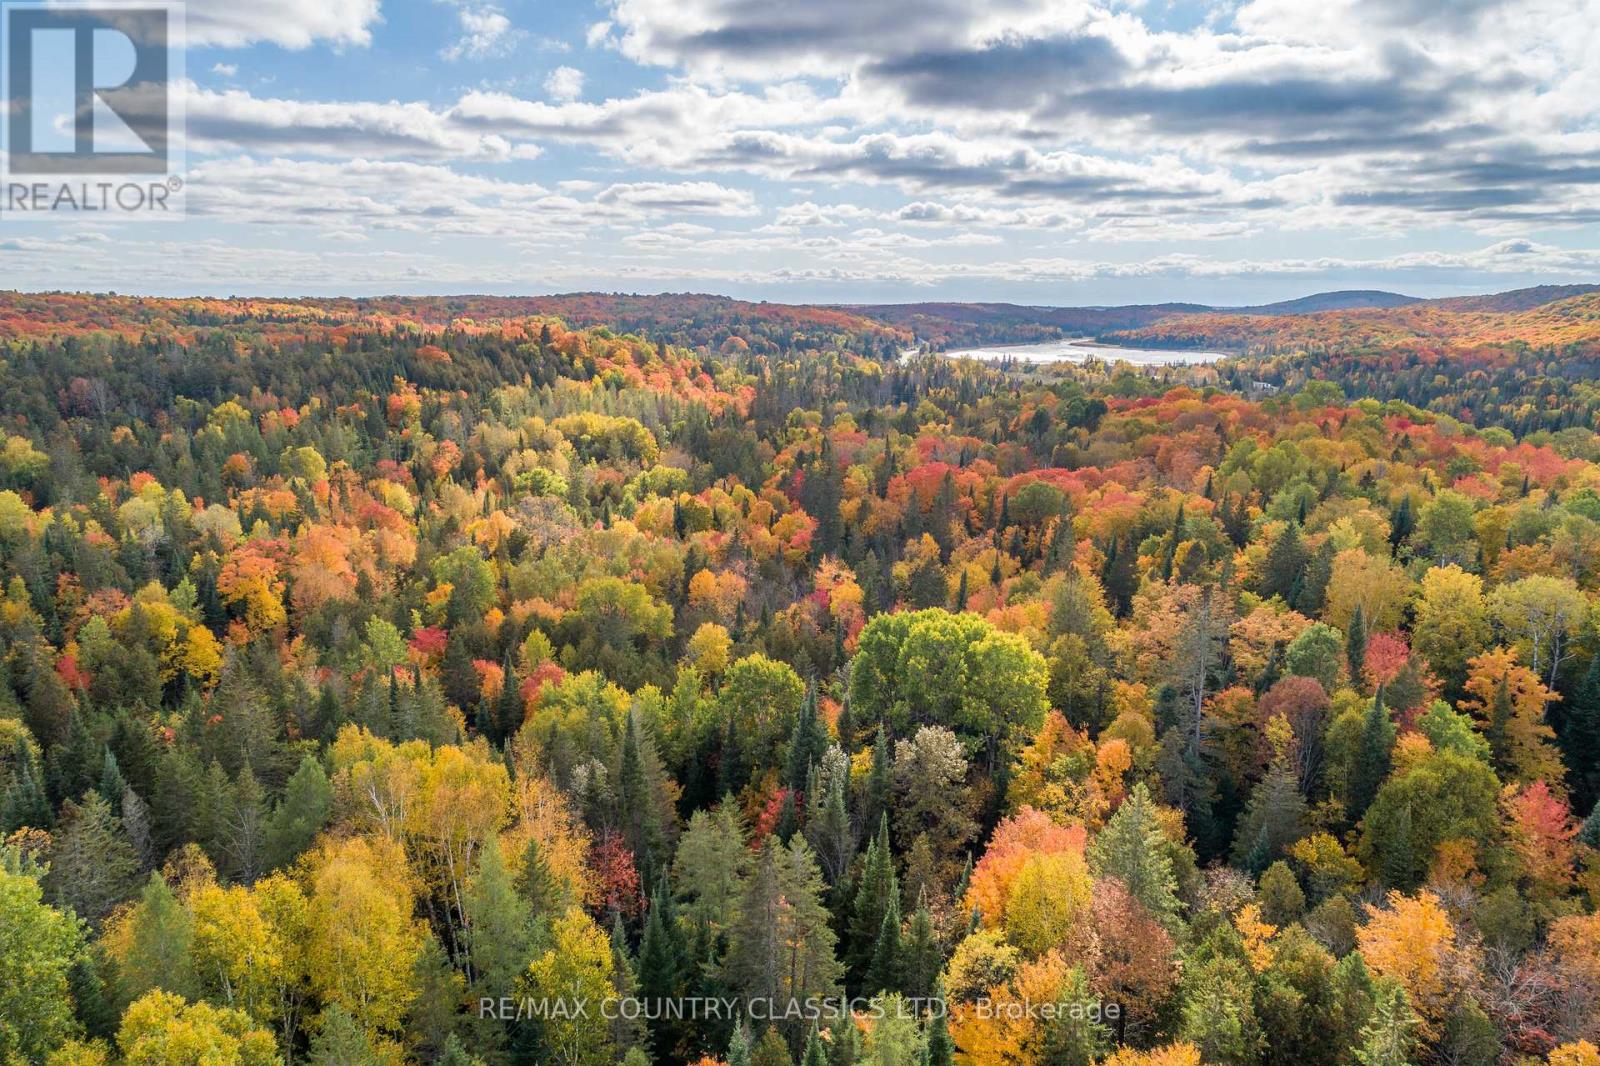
x=39, y=947
x=1133, y=849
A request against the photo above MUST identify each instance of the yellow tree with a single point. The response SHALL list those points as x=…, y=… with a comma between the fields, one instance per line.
x=363, y=942
x=162, y=1030
x=1411, y=940
x=1508, y=701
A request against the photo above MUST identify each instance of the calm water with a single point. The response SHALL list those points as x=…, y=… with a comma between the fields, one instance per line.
x=1078, y=351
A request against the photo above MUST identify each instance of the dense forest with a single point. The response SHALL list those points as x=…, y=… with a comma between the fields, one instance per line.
x=460, y=681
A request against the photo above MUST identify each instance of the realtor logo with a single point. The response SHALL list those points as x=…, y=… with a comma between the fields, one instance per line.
x=91, y=90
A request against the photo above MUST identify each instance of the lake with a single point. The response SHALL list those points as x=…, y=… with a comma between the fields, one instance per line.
x=1081, y=350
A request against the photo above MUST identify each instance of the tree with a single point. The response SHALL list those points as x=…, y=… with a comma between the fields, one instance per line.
x=1508, y=702
x=877, y=889
x=771, y=1050
x=1284, y=570
x=1133, y=849
x=930, y=788
x=1443, y=797
x=781, y=945
x=92, y=865
x=1275, y=816
x=499, y=924
x=710, y=866
x=39, y=946
x=576, y=969
x=306, y=805
x=162, y=1030
x=1451, y=623
x=932, y=667
x=1580, y=739
x=363, y=943
x=1412, y=941
x=1540, y=614
x=1387, y=1039
x=1316, y=653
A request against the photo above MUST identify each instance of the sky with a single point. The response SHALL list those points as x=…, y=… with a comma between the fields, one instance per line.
x=1035, y=151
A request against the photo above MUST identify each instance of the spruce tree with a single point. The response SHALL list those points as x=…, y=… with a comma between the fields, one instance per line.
x=1285, y=564
x=1133, y=849
x=883, y=972
x=1355, y=645
x=875, y=891
x=921, y=959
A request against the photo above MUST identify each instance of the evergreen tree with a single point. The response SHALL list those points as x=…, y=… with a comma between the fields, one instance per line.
x=876, y=890
x=1580, y=739
x=1133, y=849
x=815, y=1054
x=921, y=959
x=1373, y=759
x=245, y=828
x=663, y=963
x=498, y=925
x=883, y=972
x=305, y=808
x=1355, y=645
x=24, y=802
x=112, y=783
x=807, y=745
x=772, y=1050
x=92, y=865
x=1387, y=1039
x=739, y=1046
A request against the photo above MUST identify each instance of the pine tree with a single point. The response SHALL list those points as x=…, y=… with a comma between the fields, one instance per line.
x=245, y=828
x=875, y=891
x=499, y=927
x=508, y=705
x=772, y=1050
x=739, y=1046
x=808, y=743
x=1275, y=816
x=136, y=823
x=1355, y=644
x=1285, y=564
x=1373, y=759
x=92, y=865
x=1133, y=849
x=112, y=783
x=880, y=780
x=24, y=802
x=663, y=963
x=815, y=1054
x=1386, y=1040
x=305, y=808
x=921, y=959
x=883, y=972
x=1313, y=592
x=941, y=1050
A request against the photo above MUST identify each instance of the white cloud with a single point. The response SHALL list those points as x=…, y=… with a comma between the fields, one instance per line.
x=288, y=23
x=485, y=31
x=564, y=84
x=226, y=70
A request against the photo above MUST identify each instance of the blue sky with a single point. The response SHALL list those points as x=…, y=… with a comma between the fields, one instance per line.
x=1042, y=151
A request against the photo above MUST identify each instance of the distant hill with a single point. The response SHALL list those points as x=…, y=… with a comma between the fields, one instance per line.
x=1526, y=317
x=1516, y=299
x=1342, y=300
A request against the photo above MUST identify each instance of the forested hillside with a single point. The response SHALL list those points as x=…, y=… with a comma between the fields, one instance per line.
x=441, y=681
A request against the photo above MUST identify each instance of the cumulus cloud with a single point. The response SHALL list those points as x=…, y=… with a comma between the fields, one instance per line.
x=564, y=84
